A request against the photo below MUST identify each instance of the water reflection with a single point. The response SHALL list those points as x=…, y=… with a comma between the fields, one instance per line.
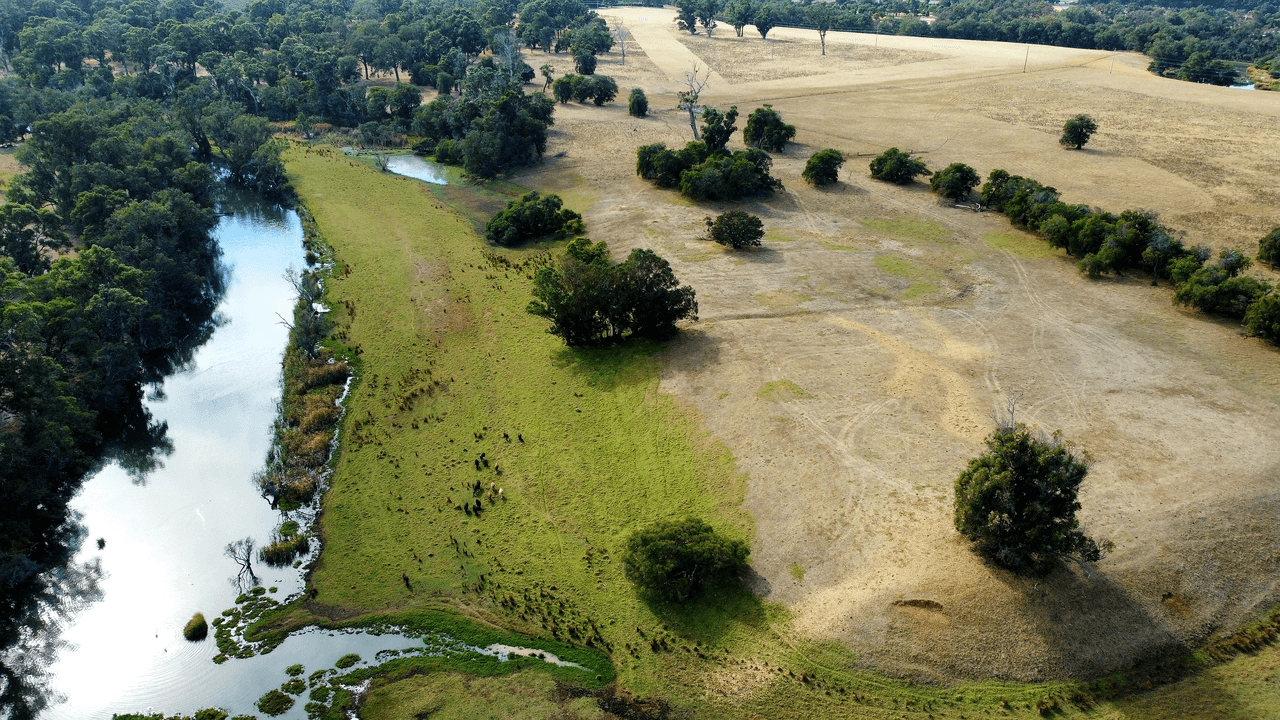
x=200, y=437
x=416, y=167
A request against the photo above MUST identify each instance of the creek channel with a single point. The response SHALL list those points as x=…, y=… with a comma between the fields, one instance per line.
x=165, y=532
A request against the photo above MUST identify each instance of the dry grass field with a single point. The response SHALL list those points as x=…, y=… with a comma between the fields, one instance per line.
x=854, y=364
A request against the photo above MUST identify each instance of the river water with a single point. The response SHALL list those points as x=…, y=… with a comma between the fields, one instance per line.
x=165, y=532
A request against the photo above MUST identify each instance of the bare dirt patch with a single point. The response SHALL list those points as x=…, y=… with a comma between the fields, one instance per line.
x=905, y=322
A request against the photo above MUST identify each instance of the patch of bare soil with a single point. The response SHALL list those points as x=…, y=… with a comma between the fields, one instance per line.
x=854, y=363
x=748, y=59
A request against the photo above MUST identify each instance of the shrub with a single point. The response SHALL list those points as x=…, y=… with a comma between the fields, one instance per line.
x=823, y=167
x=275, y=703
x=736, y=229
x=1017, y=502
x=765, y=130
x=678, y=560
x=196, y=628
x=532, y=216
x=705, y=175
x=603, y=89
x=289, y=528
x=563, y=88
x=448, y=152
x=743, y=174
x=283, y=549
x=897, y=167
x=1262, y=319
x=637, y=103
x=1269, y=248
x=444, y=83
x=591, y=301
x=1212, y=290
x=955, y=181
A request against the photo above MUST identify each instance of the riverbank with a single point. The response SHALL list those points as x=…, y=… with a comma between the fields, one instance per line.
x=450, y=362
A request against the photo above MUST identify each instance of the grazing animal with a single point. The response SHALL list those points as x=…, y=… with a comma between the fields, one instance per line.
x=477, y=463
x=504, y=497
x=520, y=437
x=405, y=576
x=506, y=437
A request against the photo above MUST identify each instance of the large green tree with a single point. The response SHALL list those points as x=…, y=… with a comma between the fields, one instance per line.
x=1077, y=131
x=677, y=560
x=1017, y=502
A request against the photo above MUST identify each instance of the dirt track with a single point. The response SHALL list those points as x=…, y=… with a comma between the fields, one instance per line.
x=904, y=323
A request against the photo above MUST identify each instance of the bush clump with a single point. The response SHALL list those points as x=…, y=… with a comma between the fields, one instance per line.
x=702, y=174
x=592, y=301
x=599, y=89
x=677, y=560
x=1269, y=248
x=347, y=661
x=765, y=130
x=283, y=549
x=823, y=167
x=637, y=103
x=196, y=628
x=532, y=216
x=274, y=703
x=736, y=229
x=955, y=181
x=897, y=167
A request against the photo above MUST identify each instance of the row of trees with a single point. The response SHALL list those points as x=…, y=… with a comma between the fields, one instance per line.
x=1187, y=43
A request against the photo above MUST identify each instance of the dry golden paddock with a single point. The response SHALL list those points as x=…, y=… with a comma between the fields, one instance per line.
x=854, y=365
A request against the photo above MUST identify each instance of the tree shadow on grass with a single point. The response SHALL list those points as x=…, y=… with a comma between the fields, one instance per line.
x=717, y=612
x=763, y=255
x=610, y=366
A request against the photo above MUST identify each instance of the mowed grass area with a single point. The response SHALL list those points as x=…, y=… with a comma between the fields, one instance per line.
x=449, y=362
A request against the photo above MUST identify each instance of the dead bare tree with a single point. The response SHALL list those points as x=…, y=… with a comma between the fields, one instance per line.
x=242, y=552
x=688, y=99
x=622, y=35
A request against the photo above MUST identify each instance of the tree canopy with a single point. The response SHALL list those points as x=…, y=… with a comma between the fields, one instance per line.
x=678, y=560
x=955, y=181
x=823, y=167
x=897, y=167
x=1077, y=131
x=1017, y=502
x=765, y=130
x=736, y=229
x=592, y=301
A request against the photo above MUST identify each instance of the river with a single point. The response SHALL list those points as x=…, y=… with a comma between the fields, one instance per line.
x=165, y=532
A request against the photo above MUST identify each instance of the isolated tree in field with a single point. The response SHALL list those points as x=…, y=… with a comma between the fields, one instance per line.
x=955, y=181
x=823, y=167
x=736, y=229
x=1017, y=502
x=678, y=560
x=603, y=89
x=765, y=130
x=897, y=167
x=718, y=127
x=1077, y=131
x=823, y=16
x=546, y=74
x=1269, y=248
x=584, y=62
x=638, y=104
x=532, y=216
x=765, y=19
x=687, y=99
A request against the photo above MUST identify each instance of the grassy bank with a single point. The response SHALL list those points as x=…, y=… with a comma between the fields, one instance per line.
x=461, y=393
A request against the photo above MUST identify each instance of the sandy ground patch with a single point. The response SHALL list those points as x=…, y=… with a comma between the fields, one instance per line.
x=897, y=325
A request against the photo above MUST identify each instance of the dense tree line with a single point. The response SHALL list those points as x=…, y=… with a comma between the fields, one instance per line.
x=1188, y=40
